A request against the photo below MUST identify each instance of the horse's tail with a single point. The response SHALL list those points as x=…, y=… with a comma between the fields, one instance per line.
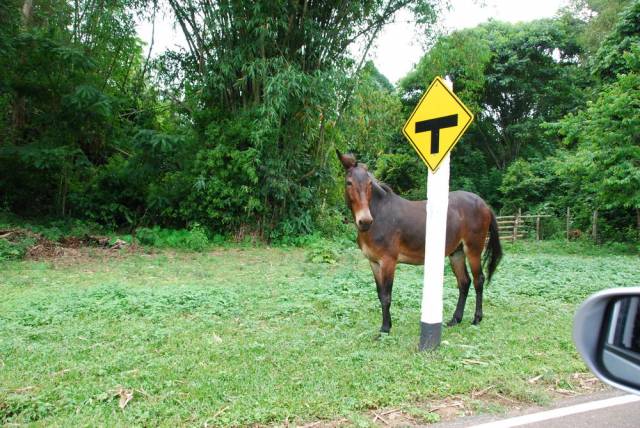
x=493, y=252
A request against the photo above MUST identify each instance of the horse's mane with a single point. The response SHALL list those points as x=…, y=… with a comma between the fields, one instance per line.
x=383, y=186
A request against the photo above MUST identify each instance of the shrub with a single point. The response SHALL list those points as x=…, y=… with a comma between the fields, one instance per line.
x=15, y=250
x=194, y=239
x=323, y=251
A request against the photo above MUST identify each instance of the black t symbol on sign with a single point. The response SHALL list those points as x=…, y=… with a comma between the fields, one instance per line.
x=435, y=125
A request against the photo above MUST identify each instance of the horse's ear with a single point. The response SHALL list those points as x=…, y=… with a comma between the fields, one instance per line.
x=348, y=160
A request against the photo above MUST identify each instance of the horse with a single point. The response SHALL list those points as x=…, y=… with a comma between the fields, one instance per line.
x=391, y=230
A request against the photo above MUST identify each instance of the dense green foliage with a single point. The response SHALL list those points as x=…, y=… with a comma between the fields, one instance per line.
x=235, y=132
x=74, y=83
x=515, y=77
x=262, y=336
x=557, y=124
x=596, y=164
x=609, y=62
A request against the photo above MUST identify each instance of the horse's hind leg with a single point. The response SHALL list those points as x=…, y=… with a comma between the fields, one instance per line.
x=475, y=263
x=383, y=272
x=459, y=268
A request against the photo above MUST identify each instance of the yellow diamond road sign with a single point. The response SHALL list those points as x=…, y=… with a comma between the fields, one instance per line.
x=437, y=123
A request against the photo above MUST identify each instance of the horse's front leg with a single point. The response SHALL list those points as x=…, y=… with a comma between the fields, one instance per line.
x=383, y=272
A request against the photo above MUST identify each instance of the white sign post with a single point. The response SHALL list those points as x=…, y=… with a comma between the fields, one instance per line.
x=435, y=235
x=434, y=127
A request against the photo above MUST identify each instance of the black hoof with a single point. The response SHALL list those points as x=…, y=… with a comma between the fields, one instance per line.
x=453, y=322
x=477, y=320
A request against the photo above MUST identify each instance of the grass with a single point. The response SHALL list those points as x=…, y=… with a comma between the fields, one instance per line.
x=245, y=336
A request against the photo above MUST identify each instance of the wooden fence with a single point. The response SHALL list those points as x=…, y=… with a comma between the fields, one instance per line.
x=514, y=227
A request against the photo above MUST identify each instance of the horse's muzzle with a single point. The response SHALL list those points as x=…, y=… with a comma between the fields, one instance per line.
x=364, y=224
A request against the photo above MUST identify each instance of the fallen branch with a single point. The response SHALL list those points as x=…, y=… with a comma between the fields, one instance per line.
x=444, y=406
x=377, y=416
x=566, y=392
x=505, y=398
x=314, y=424
x=143, y=392
x=482, y=392
x=60, y=373
x=125, y=397
x=215, y=415
x=219, y=412
x=535, y=379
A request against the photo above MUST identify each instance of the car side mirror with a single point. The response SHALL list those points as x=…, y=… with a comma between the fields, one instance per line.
x=606, y=331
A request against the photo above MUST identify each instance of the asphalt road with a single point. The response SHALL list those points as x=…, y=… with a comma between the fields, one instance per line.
x=614, y=415
x=621, y=416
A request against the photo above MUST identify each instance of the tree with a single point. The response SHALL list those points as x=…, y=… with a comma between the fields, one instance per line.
x=534, y=76
x=606, y=160
x=70, y=97
x=600, y=15
x=610, y=61
x=267, y=81
x=514, y=77
x=597, y=163
x=371, y=119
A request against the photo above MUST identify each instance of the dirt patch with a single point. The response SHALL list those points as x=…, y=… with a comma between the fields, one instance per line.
x=580, y=384
x=394, y=418
x=464, y=405
x=433, y=411
x=17, y=235
x=326, y=424
x=89, y=255
x=69, y=247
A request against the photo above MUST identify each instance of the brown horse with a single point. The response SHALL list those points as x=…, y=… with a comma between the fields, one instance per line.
x=391, y=230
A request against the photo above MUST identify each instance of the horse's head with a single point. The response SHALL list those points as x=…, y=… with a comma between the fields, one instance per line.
x=358, y=190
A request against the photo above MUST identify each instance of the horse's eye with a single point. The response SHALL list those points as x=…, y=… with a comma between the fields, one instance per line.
x=349, y=183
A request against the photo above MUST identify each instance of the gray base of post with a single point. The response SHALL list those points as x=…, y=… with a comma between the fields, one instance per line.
x=430, y=335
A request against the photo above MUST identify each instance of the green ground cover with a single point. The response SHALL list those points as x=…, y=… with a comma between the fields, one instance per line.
x=242, y=336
